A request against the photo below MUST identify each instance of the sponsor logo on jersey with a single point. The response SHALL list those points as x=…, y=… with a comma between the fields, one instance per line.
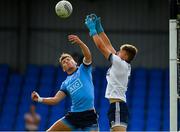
x=77, y=84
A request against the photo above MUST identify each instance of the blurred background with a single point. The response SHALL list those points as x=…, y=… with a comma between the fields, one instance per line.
x=32, y=38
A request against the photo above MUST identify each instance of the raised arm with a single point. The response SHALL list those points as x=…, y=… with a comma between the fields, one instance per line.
x=107, y=42
x=102, y=34
x=101, y=46
x=50, y=100
x=85, y=50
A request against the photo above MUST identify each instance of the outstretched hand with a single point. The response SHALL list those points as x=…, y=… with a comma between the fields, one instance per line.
x=99, y=27
x=89, y=22
x=91, y=25
x=97, y=21
x=35, y=96
x=74, y=39
x=94, y=25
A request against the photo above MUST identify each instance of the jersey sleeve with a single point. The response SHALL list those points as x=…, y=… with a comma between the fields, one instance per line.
x=110, y=57
x=63, y=88
x=85, y=63
x=85, y=67
x=116, y=60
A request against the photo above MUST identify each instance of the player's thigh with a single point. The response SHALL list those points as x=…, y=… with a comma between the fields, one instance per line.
x=59, y=126
x=119, y=128
x=92, y=128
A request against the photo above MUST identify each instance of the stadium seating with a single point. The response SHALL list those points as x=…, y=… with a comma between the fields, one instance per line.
x=147, y=97
x=138, y=88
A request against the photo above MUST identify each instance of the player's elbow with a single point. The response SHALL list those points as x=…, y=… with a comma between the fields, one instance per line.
x=89, y=58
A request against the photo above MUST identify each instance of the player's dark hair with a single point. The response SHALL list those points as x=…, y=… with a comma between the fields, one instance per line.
x=130, y=50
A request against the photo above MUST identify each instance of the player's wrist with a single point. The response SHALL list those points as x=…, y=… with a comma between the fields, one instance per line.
x=40, y=99
x=99, y=28
x=92, y=32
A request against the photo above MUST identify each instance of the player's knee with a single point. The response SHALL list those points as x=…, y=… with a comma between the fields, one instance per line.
x=119, y=128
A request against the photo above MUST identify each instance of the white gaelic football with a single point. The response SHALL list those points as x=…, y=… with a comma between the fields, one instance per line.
x=63, y=9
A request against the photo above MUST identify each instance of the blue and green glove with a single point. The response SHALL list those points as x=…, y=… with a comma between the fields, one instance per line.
x=97, y=21
x=91, y=25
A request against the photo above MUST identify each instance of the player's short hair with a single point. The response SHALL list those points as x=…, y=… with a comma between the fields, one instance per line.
x=63, y=56
x=130, y=50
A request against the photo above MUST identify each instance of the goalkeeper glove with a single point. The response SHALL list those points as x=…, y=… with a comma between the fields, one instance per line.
x=90, y=25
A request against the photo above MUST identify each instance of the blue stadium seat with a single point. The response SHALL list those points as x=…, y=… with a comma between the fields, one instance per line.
x=129, y=93
x=29, y=87
x=3, y=79
x=154, y=101
x=2, y=87
x=136, y=124
x=32, y=70
x=45, y=90
x=13, y=90
x=19, y=124
x=4, y=69
x=26, y=98
x=165, y=123
x=23, y=108
x=103, y=119
x=43, y=123
x=136, y=119
x=31, y=80
x=147, y=96
x=166, y=120
x=139, y=73
x=138, y=100
x=9, y=107
x=7, y=121
x=139, y=83
x=15, y=79
x=97, y=98
x=47, y=80
x=48, y=70
x=42, y=109
x=104, y=102
x=153, y=125
x=96, y=73
x=48, y=74
x=13, y=100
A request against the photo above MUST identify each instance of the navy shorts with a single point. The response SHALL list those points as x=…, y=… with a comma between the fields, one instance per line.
x=86, y=120
x=118, y=114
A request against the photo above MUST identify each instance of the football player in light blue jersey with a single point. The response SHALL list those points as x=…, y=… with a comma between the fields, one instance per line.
x=79, y=86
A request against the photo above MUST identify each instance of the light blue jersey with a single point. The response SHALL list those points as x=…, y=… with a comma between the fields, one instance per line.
x=80, y=88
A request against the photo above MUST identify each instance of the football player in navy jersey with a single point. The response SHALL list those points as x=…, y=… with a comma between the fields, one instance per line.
x=117, y=75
